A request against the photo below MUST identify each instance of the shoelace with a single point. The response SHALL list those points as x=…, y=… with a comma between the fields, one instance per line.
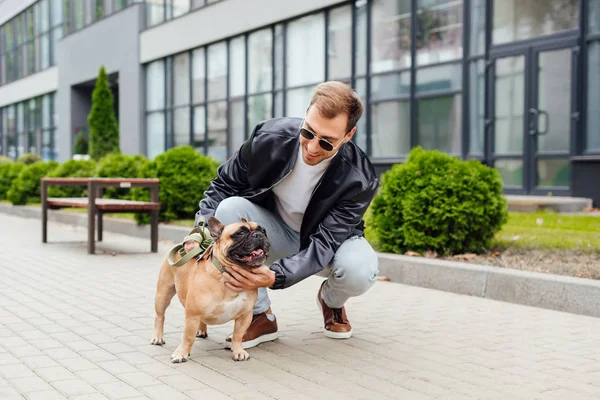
x=337, y=315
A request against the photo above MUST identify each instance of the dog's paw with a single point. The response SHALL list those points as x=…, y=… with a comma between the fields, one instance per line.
x=240, y=355
x=158, y=341
x=179, y=358
x=202, y=334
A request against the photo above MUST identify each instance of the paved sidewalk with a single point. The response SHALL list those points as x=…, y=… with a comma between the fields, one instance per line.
x=78, y=326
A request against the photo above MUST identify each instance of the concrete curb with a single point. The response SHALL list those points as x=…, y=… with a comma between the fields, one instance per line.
x=555, y=292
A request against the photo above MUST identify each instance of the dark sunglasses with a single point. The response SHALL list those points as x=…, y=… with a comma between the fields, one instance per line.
x=308, y=135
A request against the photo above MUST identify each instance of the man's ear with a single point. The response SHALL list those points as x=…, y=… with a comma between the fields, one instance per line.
x=350, y=134
x=215, y=227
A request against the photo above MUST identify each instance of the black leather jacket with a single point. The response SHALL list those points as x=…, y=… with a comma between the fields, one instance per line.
x=336, y=207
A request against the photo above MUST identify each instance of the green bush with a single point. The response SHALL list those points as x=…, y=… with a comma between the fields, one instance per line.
x=104, y=129
x=5, y=160
x=25, y=188
x=72, y=169
x=184, y=176
x=8, y=172
x=29, y=158
x=439, y=203
x=120, y=166
x=81, y=144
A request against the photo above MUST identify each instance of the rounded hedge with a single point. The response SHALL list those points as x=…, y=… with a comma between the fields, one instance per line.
x=437, y=202
x=5, y=160
x=123, y=166
x=8, y=172
x=184, y=176
x=25, y=188
x=29, y=158
x=72, y=169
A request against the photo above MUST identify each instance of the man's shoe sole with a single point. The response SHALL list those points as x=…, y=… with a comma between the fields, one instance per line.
x=330, y=334
x=255, y=342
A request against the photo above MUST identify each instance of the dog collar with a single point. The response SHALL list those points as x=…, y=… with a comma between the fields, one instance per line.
x=218, y=265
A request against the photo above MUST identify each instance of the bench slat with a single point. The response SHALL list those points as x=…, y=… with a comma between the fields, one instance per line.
x=103, y=204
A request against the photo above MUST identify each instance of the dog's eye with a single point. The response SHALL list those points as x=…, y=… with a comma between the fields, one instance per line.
x=261, y=229
x=242, y=231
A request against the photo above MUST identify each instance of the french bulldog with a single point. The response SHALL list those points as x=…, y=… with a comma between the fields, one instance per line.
x=200, y=286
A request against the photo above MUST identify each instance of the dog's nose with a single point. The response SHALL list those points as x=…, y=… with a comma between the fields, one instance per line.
x=257, y=235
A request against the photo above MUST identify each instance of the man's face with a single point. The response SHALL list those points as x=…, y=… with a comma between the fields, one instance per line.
x=331, y=130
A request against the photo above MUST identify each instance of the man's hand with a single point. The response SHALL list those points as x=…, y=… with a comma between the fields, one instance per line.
x=190, y=245
x=239, y=279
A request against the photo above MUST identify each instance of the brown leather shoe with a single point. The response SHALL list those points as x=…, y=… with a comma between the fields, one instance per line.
x=336, y=324
x=263, y=328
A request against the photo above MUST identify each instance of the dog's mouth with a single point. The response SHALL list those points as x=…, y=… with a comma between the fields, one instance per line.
x=255, y=258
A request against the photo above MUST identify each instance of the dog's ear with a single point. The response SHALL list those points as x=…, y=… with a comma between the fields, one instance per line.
x=244, y=219
x=215, y=227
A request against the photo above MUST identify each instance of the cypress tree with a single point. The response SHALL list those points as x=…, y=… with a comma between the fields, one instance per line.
x=104, y=129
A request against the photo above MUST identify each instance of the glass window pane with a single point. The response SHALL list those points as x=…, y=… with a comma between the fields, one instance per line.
x=509, y=97
x=180, y=7
x=305, y=47
x=45, y=15
x=444, y=77
x=339, y=46
x=594, y=16
x=155, y=126
x=360, y=137
x=390, y=86
x=441, y=36
x=517, y=20
x=57, y=34
x=217, y=71
x=181, y=79
x=198, y=3
x=297, y=101
x=155, y=85
x=198, y=76
x=278, y=57
x=181, y=126
x=477, y=27
x=30, y=57
x=199, y=128
x=553, y=172
x=217, y=131
x=45, y=50
x=511, y=172
x=237, y=71
x=391, y=129
x=476, y=107
x=46, y=117
x=237, y=122
x=390, y=35
x=260, y=61
x=57, y=12
x=259, y=109
x=593, y=97
x=278, y=105
x=439, y=123
x=360, y=52
x=155, y=12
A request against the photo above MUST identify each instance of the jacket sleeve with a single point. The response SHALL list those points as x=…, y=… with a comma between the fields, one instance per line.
x=331, y=233
x=231, y=180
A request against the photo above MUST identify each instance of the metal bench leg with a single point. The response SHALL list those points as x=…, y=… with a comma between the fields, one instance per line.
x=100, y=225
x=91, y=245
x=44, y=190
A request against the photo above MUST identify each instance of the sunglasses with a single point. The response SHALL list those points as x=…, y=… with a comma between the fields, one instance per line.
x=325, y=145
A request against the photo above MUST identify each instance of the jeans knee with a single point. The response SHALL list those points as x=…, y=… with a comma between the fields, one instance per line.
x=357, y=269
x=231, y=209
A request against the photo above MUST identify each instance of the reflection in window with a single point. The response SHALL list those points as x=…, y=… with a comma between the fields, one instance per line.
x=517, y=20
x=593, y=16
x=391, y=129
x=155, y=85
x=439, y=123
x=440, y=31
x=155, y=12
x=217, y=71
x=199, y=128
x=237, y=71
x=259, y=109
x=155, y=128
x=181, y=79
x=477, y=27
x=339, y=46
x=305, y=47
x=441, y=78
x=390, y=35
x=260, y=61
x=476, y=107
x=217, y=131
x=181, y=126
x=297, y=101
x=390, y=86
x=360, y=28
x=509, y=97
x=236, y=124
x=198, y=76
x=593, y=98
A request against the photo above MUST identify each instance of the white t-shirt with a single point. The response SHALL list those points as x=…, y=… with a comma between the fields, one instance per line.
x=293, y=193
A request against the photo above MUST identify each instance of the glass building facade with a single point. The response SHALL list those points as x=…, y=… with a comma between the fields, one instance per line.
x=514, y=84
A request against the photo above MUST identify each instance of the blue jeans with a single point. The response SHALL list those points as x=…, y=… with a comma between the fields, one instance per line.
x=354, y=268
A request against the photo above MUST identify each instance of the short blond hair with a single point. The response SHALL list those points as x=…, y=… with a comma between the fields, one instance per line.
x=333, y=98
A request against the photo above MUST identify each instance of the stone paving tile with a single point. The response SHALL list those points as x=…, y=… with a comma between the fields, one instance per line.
x=78, y=326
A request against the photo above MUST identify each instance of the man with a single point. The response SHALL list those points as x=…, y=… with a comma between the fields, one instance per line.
x=308, y=185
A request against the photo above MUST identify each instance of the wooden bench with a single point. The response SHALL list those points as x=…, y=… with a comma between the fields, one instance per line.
x=97, y=206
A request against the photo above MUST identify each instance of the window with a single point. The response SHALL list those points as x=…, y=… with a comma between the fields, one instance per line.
x=180, y=7
x=297, y=101
x=305, y=47
x=390, y=35
x=217, y=130
x=155, y=12
x=593, y=97
x=477, y=27
x=11, y=122
x=593, y=16
x=217, y=71
x=155, y=85
x=476, y=107
x=237, y=71
x=260, y=61
x=439, y=123
x=518, y=20
x=391, y=129
x=339, y=43
x=198, y=76
x=439, y=37
x=237, y=124
x=181, y=79
x=155, y=128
